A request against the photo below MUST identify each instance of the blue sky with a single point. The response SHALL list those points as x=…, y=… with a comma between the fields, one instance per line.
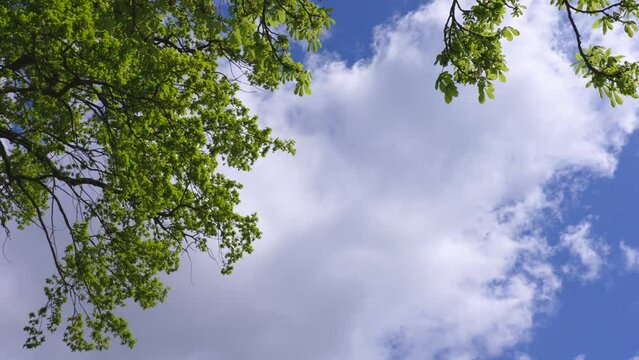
x=599, y=320
x=404, y=228
x=351, y=37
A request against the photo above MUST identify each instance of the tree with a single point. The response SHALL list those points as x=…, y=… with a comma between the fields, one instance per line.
x=473, y=53
x=116, y=119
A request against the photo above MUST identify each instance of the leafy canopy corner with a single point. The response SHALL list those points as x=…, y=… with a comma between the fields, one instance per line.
x=116, y=117
x=473, y=54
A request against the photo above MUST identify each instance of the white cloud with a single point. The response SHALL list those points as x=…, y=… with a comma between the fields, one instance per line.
x=631, y=257
x=404, y=227
x=580, y=357
x=589, y=253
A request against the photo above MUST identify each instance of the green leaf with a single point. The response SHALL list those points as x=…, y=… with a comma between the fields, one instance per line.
x=448, y=98
x=506, y=33
x=629, y=30
x=597, y=23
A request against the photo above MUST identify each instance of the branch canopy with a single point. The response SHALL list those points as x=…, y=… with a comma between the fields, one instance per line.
x=115, y=118
x=473, y=55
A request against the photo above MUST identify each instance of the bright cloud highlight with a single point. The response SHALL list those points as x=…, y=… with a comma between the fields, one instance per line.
x=590, y=254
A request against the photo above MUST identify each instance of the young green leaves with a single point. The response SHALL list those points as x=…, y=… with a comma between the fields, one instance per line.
x=472, y=47
x=612, y=76
x=473, y=55
x=116, y=117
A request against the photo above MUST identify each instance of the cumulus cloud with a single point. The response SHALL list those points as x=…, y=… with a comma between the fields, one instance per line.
x=589, y=254
x=631, y=257
x=404, y=228
x=580, y=357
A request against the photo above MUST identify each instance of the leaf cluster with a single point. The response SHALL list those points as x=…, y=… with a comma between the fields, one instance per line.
x=612, y=76
x=472, y=39
x=116, y=118
x=473, y=55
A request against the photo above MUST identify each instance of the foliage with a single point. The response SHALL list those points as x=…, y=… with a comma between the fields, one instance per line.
x=116, y=117
x=473, y=51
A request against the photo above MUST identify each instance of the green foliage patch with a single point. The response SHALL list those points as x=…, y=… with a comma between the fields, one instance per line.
x=473, y=54
x=117, y=116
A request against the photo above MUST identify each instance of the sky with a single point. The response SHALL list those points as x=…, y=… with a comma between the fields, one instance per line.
x=405, y=228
